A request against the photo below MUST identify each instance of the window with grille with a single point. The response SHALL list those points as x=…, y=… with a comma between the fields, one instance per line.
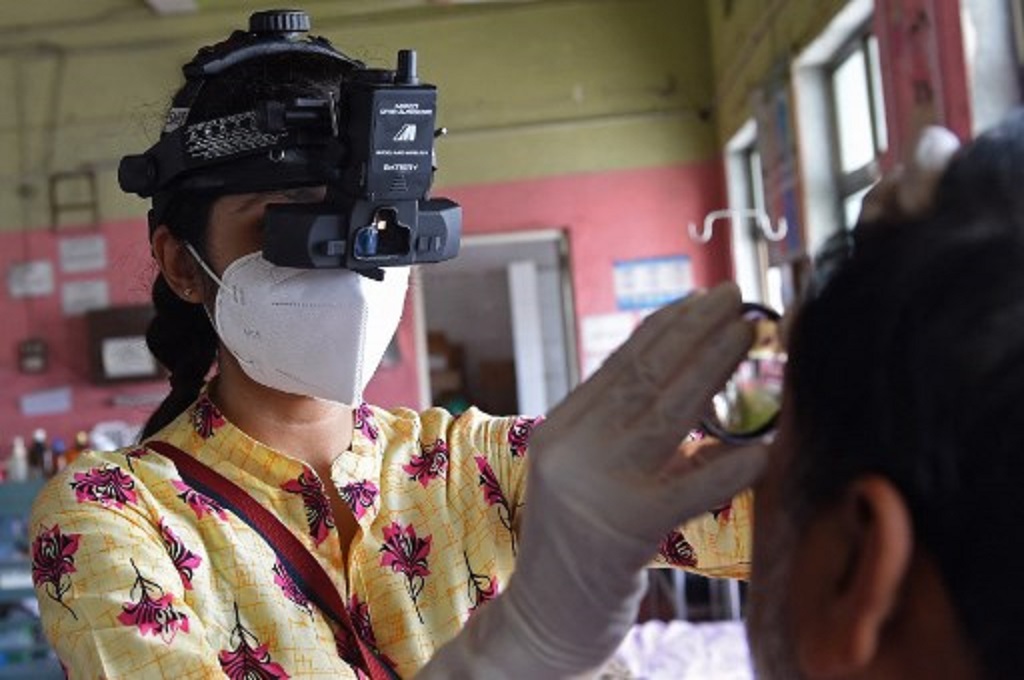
x=858, y=121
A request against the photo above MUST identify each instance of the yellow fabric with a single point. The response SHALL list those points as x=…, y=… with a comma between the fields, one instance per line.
x=138, y=576
x=719, y=542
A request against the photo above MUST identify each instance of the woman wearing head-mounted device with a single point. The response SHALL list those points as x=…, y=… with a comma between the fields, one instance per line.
x=272, y=523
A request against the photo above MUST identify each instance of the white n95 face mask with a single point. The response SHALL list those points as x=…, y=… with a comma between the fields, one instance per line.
x=315, y=332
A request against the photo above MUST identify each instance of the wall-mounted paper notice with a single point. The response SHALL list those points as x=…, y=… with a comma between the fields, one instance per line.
x=30, y=279
x=46, y=402
x=78, y=297
x=85, y=254
x=127, y=358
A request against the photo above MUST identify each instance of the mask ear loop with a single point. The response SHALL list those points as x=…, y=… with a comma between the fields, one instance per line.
x=235, y=293
x=217, y=279
x=199, y=261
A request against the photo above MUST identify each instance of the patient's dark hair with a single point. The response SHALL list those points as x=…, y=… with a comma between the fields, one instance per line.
x=908, y=362
x=181, y=336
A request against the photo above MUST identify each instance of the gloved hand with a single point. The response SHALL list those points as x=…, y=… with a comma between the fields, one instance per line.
x=605, y=485
x=907, y=192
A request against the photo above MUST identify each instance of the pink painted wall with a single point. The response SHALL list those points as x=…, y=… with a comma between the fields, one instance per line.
x=608, y=216
x=129, y=274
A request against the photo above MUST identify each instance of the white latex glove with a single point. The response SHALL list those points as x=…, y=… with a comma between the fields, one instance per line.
x=909, y=190
x=605, y=485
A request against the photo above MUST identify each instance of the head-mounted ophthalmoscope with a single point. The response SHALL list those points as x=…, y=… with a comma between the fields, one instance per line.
x=373, y=148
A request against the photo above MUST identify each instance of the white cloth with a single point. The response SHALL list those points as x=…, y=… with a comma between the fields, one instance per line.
x=679, y=650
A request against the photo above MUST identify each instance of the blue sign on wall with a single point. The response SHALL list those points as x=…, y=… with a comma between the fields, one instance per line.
x=652, y=282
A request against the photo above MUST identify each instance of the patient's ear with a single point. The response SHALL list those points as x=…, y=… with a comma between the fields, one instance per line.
x=848, y=573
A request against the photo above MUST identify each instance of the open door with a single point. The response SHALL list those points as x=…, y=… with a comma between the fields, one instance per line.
x=499, y=324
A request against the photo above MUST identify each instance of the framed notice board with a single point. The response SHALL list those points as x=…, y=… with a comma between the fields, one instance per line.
x=117, y=345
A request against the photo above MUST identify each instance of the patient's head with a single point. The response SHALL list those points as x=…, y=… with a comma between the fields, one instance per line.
x=892, y=515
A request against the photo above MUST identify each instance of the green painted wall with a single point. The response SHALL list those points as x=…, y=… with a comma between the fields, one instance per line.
x=528, y=90
x=751, y=38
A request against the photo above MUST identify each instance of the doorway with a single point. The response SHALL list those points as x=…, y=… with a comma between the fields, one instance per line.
x=500, y=324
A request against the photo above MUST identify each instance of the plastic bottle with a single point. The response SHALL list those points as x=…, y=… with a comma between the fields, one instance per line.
x=17, y=464
x=59, y=449
x=40, y=458
x=81, y=445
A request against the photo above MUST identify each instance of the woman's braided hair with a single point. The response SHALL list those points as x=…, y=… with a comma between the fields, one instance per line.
x=180, y=335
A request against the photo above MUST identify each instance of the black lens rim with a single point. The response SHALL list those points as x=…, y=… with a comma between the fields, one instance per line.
x=751, y=310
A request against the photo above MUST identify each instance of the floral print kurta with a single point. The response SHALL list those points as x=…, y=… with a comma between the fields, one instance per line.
x=139, y=575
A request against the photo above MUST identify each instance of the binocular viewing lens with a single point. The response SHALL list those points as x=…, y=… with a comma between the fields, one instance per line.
x=748, y=406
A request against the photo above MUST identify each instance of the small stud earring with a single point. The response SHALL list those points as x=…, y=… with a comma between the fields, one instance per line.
x=187, y=293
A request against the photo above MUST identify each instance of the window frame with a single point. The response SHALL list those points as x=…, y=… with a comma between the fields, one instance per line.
x=849, y=183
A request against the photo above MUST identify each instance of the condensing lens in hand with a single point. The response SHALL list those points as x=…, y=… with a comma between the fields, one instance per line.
x=748, y=406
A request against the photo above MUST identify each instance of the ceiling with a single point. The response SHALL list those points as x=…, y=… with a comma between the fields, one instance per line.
x=41, y=14
x=70, y=25
x=362, y=6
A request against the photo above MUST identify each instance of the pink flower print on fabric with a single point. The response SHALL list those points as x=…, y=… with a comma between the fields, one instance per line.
x=364, y=422
x=519, y=435
x=359, y=613
x=185, y=561
x=677, y=551
x=723, y=512
x=201, y=504
x=248, y=659
x=494, y=496
x=206, y=417
x=53, y=560
x=359, y=496
x=348, y=651
x=695, y=436
x=482, y=588
x=318, y=508
x=430, y=464
x=152, y=610
x=291, y=591
x=107, y=485
x=133, y=455
x=406, y=553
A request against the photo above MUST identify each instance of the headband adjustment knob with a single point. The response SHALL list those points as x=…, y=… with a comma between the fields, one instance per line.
x=279, y=21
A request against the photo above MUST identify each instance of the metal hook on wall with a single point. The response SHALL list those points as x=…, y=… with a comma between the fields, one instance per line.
x=764, y=223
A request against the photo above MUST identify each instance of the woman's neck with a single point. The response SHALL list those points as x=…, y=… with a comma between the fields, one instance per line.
x=311, y=430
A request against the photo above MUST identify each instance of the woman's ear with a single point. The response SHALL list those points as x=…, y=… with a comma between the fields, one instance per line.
x=177, y=265
x=853, y=564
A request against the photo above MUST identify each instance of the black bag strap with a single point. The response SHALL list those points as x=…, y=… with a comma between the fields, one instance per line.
x=304, y=569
